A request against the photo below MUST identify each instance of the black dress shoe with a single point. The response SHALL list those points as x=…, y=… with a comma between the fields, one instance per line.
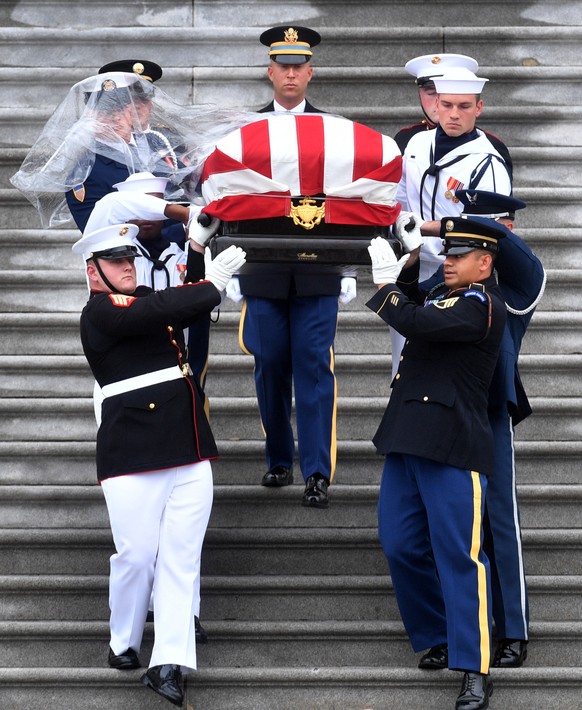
x=201, y=636
x=277, y=477
x=165, y=681
x=315, y=494
x=475, y=692
x=510, y=654
x=125, y=661
x=436, y=658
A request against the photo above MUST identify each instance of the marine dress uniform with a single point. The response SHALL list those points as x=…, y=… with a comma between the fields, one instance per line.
x=438, y=446
x=154, y=447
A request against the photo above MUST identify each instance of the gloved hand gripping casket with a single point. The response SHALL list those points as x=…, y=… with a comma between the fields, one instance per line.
x=302, y=188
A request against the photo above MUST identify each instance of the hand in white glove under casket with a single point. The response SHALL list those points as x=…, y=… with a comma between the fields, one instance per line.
x=385, y=267
x=220, y=269
x=201, y=233
x=233, y=290
x=347, y=289
x=407, y=231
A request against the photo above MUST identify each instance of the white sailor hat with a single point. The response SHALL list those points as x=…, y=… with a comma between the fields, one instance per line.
x=428, y=66
x=113, y=242
x=142, y=182
x=459, y=81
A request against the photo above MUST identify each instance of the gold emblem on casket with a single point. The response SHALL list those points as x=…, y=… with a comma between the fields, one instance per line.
x=307, y=214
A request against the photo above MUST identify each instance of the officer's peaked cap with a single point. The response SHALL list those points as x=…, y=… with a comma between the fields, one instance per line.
x=113, y=242
x=461, y=235
x=142, y=67
x=290, y=44
x=488, y=204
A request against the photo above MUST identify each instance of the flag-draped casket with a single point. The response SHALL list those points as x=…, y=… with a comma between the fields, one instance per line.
x=302, y=179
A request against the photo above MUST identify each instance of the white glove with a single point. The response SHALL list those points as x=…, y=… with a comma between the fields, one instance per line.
x=196, y=232
x=407, y=231
x=224, y=265
x=385, y=267
x=233, y=290
x=347, y=289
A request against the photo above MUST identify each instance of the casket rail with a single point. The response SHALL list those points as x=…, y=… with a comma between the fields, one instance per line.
x=283, y=240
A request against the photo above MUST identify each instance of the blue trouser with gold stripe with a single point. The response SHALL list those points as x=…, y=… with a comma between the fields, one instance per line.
x=292, y=343
x=430, y=525
x=502, y=540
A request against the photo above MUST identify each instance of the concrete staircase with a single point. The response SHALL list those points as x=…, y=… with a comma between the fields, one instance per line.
x=298, y=603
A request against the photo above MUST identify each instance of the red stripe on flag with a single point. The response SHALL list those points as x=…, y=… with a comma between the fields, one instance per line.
x=235, y=207
x=368, y=150
x=256, y=147
x=351, y=211
x=310, y=142
x=219, y=162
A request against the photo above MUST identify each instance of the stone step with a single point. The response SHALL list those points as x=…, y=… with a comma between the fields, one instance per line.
x=242, y=462
x=557, y=126
x=552, y=506
x=236, y=418
x=257, y=644
x=57, y=333
x=181, y=45
x=237, y=13
x=66, y=291
x=271, y=597
x=526, y=86
x=357, y=375
x=26, y=249
x=336, y=687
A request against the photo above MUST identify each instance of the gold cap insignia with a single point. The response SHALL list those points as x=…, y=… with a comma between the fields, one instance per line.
x=449, y=225
x=138, y=68
x=123, y=231
x=108, y=85
x=436, y=60
x=291, y=36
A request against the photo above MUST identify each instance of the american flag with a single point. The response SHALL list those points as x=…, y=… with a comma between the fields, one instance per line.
x=255, y=171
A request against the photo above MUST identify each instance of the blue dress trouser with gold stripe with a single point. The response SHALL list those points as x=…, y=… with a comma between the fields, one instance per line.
x=430, y=526
x=502, y=540
x=292, y=343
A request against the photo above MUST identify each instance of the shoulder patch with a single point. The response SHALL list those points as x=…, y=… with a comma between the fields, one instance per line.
x=475, y=294
x=121, y=300
x=79, y=192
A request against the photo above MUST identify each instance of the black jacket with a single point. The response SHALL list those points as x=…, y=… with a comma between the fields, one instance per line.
x=155, y=427
x=438, y=405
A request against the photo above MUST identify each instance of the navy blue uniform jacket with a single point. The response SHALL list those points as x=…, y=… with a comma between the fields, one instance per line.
x=438, y=404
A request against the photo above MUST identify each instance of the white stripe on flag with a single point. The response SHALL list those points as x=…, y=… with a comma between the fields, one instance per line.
x=338, y=152
x=284, y=151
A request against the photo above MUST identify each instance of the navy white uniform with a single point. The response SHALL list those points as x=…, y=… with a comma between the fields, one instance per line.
x=438, y=446
x=153, y=451
x=428, y=185
x=289, y=321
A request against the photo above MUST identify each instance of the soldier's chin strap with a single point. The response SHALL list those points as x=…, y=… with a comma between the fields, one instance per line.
x=103, y=277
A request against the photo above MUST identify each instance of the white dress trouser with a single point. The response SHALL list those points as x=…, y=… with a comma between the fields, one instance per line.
x=158, y=520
